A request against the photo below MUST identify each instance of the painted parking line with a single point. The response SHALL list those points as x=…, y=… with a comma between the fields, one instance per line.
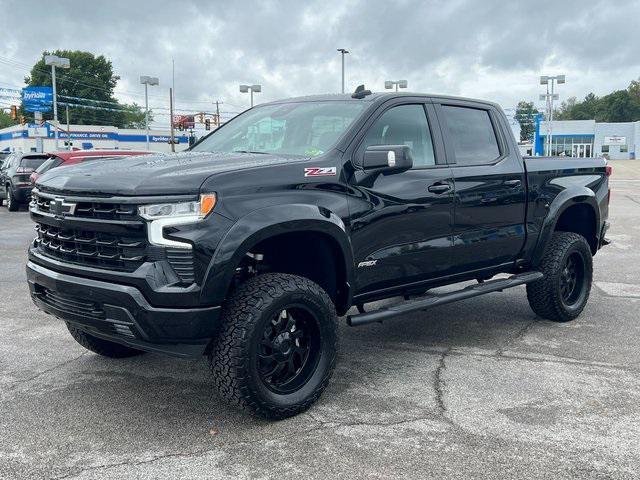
x=619, y=289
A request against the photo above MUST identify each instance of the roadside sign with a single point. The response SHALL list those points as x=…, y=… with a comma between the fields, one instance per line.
x=37, y=99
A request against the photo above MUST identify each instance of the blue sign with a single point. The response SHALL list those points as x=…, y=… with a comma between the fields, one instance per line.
x=37, y=99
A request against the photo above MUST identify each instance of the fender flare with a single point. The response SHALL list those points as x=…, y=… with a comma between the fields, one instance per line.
x=564, y=200
x=265, y=223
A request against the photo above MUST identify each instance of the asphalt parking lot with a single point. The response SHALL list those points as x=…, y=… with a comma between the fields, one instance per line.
x=475, y=389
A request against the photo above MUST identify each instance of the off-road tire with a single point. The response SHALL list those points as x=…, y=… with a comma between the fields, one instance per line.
x=545, y=296
x=100, y=346
x=245, y=316
x=12, y=204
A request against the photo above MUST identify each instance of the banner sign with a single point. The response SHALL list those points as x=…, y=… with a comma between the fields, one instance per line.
x=614, y=140
x=37, y=99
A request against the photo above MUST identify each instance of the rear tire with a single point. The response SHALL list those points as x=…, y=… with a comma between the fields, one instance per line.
x=12, y=203
x=100, y=346
x=568, y=272
x=277, y=346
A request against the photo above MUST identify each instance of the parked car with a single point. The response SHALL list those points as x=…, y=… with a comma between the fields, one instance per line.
x=71, y=157
x=15, y=186
x=247, y=247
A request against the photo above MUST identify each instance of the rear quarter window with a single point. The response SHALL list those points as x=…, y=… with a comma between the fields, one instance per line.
x=472, y=135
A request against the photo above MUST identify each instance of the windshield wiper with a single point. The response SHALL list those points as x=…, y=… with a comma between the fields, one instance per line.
x=249, y=151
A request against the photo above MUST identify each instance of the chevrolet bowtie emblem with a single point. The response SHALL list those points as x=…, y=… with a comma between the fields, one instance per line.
x=59, y=208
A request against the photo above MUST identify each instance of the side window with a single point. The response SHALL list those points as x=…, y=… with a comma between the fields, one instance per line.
x=404, y=125
x=474, y=139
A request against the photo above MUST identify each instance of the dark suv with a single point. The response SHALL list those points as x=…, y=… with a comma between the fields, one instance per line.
x=15, y=185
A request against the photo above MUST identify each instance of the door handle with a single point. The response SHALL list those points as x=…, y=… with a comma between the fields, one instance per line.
x=439, y=188
x=513, y=183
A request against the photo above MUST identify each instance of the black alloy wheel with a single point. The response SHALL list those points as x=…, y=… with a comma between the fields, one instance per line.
x=290, y=349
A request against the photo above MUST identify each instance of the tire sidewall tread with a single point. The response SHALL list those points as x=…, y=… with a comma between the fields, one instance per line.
x=232, y=358
x=544, y=295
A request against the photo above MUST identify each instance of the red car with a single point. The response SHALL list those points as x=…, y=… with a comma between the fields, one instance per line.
x=71, y=157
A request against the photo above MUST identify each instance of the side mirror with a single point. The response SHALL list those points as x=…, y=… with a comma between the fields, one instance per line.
x=387, y=158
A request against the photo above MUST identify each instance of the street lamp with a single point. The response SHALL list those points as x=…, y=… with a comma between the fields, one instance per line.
x=146, y=81
x=550, y=96
x=398, y=84
x=251, y=88
x=343, y=52
x=56, y=61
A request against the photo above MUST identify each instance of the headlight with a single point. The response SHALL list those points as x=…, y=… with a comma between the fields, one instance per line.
x=196, y=210
x=163, y=215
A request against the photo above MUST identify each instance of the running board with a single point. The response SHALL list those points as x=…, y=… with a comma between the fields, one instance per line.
x=433, y=299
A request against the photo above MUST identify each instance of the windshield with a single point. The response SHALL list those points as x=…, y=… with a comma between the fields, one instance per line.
x=306, y=129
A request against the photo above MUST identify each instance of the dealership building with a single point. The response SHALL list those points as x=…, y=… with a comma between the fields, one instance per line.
x=35, y=138
x=588, y=138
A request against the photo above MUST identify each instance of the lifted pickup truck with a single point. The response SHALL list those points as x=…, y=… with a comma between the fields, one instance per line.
x=247, y=247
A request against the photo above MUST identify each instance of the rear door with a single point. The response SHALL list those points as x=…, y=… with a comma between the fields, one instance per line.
x=490, y=186
x=401, y=222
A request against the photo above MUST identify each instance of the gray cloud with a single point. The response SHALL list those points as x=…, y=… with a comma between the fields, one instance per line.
x=491, y=49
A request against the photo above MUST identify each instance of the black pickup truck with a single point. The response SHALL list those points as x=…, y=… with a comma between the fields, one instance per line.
x=249, y=246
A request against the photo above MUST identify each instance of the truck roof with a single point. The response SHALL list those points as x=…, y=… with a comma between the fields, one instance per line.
x=375, y=97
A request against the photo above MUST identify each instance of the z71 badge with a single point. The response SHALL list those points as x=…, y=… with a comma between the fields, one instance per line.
x=320, y=172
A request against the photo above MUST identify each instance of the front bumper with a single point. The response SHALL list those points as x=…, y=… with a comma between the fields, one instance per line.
x=121, y=314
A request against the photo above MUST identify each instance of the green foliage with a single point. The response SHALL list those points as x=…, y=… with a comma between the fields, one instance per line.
x=525, y=112
x=618, y=106
x=5, y=120
x=90, y=77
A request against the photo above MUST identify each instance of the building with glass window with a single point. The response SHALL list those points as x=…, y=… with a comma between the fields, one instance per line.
x=588, y=138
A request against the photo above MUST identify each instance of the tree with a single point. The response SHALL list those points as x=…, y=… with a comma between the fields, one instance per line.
x=6, y=120
x=618, y=107
x=87, y=86
x=525, y=112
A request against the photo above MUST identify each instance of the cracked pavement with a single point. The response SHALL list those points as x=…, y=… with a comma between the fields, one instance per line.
x=475, y=389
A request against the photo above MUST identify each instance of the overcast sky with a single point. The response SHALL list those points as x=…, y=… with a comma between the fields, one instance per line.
x=487, y=49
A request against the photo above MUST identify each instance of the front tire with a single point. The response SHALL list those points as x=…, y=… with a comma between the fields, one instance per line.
x=277, y=346
x=568, y=273
x=100, y=346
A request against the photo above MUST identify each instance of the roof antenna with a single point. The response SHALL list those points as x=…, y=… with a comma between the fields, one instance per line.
x=360, y=92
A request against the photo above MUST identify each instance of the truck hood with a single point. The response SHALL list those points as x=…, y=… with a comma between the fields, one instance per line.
x=162, y=174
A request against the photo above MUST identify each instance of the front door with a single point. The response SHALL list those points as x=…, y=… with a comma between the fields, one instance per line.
x=490, y=187
x=581, y=150
x=401, y=222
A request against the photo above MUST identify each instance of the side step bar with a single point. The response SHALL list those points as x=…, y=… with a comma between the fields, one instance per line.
x=433, y=299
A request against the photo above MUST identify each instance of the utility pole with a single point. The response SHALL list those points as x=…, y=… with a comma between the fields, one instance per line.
x=172, y=140
x=218, y=102
x=68, y=131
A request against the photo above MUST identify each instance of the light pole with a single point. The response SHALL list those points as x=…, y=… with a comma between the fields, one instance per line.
x=398, y=84
x=343, y=52
x=251, y=88
x=55, y=61
x=550, y=97
x=146, y=81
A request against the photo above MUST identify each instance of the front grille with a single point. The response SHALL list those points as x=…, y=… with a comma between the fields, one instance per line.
x=100, y=210
x=69, y=304
x=92, y=248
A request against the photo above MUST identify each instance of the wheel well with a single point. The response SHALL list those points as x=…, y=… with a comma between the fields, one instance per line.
x=580, y=219
x=314, y=255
